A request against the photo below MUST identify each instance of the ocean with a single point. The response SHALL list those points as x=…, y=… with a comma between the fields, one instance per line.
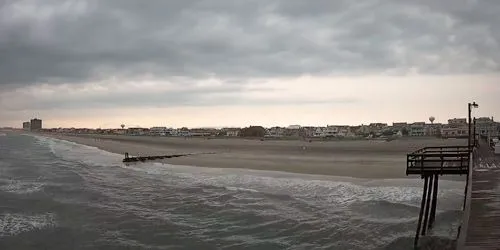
x=61, y=195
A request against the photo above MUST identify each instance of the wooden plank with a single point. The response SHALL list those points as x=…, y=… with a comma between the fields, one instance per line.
x=483, y=231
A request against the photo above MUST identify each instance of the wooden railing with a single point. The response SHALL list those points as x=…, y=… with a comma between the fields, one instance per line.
x=438, y=160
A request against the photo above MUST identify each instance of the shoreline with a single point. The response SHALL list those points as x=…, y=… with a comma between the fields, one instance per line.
x=356, y=159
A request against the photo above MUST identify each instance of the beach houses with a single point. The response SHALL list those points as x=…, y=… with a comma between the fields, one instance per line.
x=231, y=132
x=457, y=122
x=448, y=131
x=308, y=131
x=137, y=131
x=433, y=129
x=159, y=131
x=456, y=128
x=330, y=131
x=417, y=129
x=275, y=132
x=333, y=131
x=486, y=127
x=399, y=125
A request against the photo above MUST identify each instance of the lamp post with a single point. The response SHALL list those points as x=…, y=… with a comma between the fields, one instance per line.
x=474, y=142
x=470, y=106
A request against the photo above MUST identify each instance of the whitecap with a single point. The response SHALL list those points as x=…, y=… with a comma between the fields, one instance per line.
x=19, y=187
x=241, y=189
x=14, y=224
x=75, y=152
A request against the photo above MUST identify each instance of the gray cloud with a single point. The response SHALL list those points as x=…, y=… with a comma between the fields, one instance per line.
x=136, y=98
x=77, y=41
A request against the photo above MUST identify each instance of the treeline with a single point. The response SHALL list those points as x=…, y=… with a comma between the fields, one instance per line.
x=253, y=131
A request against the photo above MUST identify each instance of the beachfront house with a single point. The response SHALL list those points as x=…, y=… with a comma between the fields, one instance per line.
x=203, y=132
x=363, y=130
x=375, y=129
x=308, y=131
x=318, y=132
x=399, y=125
x=417, y=129
x=486, y=127
x=119, y=131
x=456, y=128
x=275, y=132
x=330, y=131
x=293, y=127
x=344, y=131
x=433, y=129
x=137, y=131
x=452, y=131
x=457, y=122
x=159, y=131
x=231, y=132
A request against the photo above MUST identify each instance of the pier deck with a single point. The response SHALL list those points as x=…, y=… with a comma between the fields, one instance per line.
x=448, y=160
x=483, y=227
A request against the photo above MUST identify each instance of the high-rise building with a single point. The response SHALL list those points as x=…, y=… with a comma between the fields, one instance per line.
x=26, y=125
x=36, y=124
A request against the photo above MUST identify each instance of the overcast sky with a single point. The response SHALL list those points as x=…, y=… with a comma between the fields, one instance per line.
x=100, y=63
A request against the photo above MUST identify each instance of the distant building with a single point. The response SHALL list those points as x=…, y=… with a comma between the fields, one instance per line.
x=486, y=127
x=27, y=126
x=202, y=132
x=378, y=125
x=35, y=124
x=417, y=129
x=344, y=131
x=275, y=132
x=433, y=129
x=456, y=128
x=137, y=131
x=450, y=131
x=377, y=128
x=399, y=125
x=232, y=132
x=308, y=131
x=159, y=131
x=457, y=121
x=330, y=131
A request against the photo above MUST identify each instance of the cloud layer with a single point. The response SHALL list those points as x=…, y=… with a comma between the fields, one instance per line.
x=77, y=40
x=89, y=55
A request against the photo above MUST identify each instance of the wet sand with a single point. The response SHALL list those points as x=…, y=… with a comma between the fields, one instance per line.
x=360, y=159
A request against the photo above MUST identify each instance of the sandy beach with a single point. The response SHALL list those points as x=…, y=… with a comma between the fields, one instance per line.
x=360, y=159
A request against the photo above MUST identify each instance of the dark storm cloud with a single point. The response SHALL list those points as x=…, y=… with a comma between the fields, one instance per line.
x=79, y=41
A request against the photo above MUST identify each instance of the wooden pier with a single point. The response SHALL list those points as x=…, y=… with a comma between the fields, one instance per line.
x=481, y=226
x=430, y=163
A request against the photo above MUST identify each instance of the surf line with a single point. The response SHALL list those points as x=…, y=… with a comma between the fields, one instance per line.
x=158, y=157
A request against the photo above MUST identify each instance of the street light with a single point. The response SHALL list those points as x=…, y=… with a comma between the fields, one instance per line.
x=470, y=106
x=474, y=142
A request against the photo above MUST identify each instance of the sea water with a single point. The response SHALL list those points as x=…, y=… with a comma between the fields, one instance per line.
x=61, y=195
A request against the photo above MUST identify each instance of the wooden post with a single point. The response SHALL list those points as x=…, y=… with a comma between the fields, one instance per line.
x=427, y=204
x=467, y=180
x=422, y=204
x=434, y=201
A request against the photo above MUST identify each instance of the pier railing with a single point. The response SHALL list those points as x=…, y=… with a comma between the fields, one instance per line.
x=446, y=160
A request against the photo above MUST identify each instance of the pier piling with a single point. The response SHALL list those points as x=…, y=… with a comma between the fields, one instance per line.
x=427, y=204
x=432, y=217
x=422, y=204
